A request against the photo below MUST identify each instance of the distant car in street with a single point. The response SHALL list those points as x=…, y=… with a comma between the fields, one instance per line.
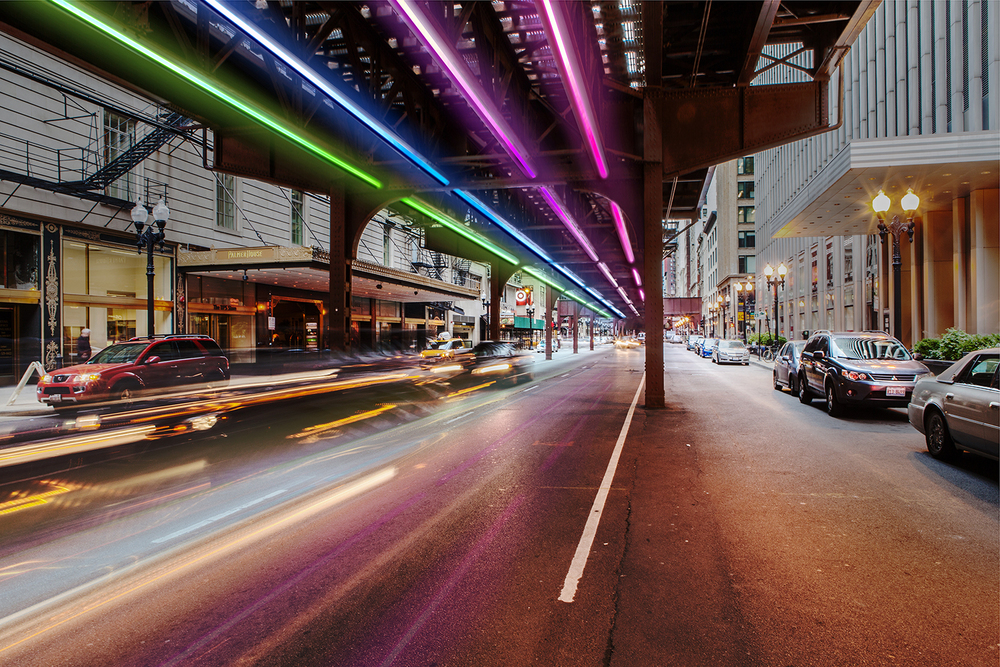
x=786, y=366
x=707, y=345
x=731, y=352
x=694, y=341
x=488, y=363
x=446, y=348
x=960, y=408
x=864, y=369
x=626, y=343
x=122, y=371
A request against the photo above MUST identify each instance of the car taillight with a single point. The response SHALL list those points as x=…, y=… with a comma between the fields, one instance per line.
x=854, y=375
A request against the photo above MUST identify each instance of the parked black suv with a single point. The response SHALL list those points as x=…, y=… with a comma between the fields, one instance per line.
x=867, y=368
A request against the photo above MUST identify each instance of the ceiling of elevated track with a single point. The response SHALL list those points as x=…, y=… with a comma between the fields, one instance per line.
x=369, y=55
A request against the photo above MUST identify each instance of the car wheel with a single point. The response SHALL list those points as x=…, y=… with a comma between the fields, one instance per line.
x=125, y=393
x=793, y=385
x=833, y=405
x=805, y=397
x=939, y=442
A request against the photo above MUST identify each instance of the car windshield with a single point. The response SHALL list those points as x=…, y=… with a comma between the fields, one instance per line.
x=732, y=344
x=868, y=348
x=119, y=354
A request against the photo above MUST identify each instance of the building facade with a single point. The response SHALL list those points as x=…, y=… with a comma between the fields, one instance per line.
x=920, y=113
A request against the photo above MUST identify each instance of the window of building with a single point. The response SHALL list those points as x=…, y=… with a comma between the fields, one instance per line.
x=748, y=239
x=298, y=219
x=745, y=214
x=748, y=264
x=119, y=138
x=744, y=189
x=744, y=165
x=225, y=201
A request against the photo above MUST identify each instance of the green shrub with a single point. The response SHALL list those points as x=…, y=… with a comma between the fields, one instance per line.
x=955, y=344
x=765, y=339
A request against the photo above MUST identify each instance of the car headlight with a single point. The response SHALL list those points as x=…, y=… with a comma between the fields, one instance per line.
x=46, y=379
x=854, y=375
x=87, y=377
x=496, y=368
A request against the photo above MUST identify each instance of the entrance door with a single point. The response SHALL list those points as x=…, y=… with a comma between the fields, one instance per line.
x=8, y=344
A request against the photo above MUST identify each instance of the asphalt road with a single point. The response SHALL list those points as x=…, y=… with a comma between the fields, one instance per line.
x=401, y=526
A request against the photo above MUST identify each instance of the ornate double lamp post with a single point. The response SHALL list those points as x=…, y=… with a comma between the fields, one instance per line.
x=147, y=239
x=742, y=295
x=772, y=282
x=896, y=227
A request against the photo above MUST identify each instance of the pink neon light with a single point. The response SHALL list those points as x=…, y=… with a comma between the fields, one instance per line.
x=568, y=221
x=616, y=213
x=642, y=294
x=573, y=79
x=635, y=274
x=462, y=76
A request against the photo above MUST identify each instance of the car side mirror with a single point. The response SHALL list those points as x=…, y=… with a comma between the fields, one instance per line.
x=152, y=360
x=818, y=354
x=918, y=356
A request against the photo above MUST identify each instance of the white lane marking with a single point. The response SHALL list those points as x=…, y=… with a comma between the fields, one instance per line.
x=531, y=388
x=202, y=524
x=460, y=417
x=566, y=375
x=590, y=530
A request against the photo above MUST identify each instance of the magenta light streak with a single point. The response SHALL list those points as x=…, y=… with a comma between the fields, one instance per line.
x=450, y=60
x=642, y=295
x=573, y=80
x=568, y=221
x=635, y=275
x=616, y=212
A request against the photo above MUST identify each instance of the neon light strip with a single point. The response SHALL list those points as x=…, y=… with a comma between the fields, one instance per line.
x=346, y=103
x=607, y=273
x=213, y=89
x=642, y=294
x=635, y=275
x=621, y=290
x=460, y=229
x=567, y=220
x=562, y=288
x=451, y=61
x=616, y=213
x=572, y=75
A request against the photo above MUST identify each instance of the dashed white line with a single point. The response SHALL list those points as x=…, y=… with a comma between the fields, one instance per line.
x=202, y=524
x=462, y=416
x=590, y=530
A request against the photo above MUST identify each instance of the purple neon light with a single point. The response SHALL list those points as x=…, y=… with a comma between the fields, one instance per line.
x=642, y=294
x=616, y=213
x=462, y=76
x=635, y=275
x=567, y=220
x=573, y=79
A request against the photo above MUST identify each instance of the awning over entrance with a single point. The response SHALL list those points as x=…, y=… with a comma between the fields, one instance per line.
x=309, y=269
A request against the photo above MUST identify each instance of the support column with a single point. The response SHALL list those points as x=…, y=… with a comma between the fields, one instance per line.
x=938, y=279
x=550, y=302
x=960, y=241
x=576, y=328
x=592, y=331
x=501, y=273
x=339, y=304
x=652, y=216
x=984, y=256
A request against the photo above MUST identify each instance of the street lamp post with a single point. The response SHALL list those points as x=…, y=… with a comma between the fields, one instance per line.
x=772, y=282
x=531, y=324
x=896, y=227
x=147, y=239
x=724, y=304
x=712, y=310
x=742, y=294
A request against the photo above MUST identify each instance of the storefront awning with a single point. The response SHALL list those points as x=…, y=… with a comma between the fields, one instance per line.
x=309, y=269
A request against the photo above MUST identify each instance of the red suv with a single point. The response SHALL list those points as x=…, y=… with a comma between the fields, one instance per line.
x=119, y=372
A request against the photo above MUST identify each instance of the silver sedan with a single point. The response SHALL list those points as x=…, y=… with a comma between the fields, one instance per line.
x=960, y=408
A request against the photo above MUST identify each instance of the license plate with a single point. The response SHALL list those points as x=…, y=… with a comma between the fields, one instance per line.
x=895, y=391
x=55, y=398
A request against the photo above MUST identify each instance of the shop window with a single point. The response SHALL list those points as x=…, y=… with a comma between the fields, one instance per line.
x=744, y=189
x=225, y=201
x=18, y=260
x=119, y=138
x=298, y=216
x=747, y=239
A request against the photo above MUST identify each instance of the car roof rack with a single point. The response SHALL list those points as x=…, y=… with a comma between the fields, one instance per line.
x=167, y=336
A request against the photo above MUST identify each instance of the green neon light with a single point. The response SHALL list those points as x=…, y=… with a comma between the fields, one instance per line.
x=459, y=228
x=213, y=89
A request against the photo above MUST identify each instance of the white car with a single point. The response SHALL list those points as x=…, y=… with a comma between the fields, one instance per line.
x=731, y=352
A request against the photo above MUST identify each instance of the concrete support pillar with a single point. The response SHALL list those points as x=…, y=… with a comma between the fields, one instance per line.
x=984, y=257
x=938, y=280
x=591, y=332
x=576, y=328
x=339, y=305
x=500, y=274
x=959, y=249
